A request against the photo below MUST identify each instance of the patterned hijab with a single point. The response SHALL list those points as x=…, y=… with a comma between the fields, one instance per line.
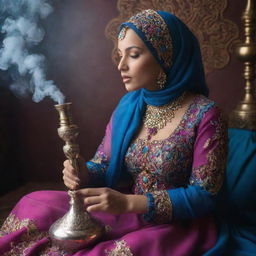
x=177, y=51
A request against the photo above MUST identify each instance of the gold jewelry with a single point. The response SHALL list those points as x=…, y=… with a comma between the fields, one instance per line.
x=157, y=117
x=161, y=79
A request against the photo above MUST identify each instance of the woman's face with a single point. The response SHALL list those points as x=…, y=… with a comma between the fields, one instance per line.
x=138, y=67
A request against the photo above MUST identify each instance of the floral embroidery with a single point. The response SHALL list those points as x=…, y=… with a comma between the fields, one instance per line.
x=28, y=239
x=121, y=249
x=12, y=224
x=159, y=207
x=156, y=32
x=163, y=207
x=211, y=175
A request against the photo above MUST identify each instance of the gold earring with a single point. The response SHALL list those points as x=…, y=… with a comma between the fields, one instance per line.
x=161, y=80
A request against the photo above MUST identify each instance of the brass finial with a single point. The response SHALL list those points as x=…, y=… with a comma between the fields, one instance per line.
x=244, y=115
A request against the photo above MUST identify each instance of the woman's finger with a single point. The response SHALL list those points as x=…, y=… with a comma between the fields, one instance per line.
x=67, y=164
x=92, y=191
x=70, y=175
x=70, y=183
x=95, y=208
x=93, y=200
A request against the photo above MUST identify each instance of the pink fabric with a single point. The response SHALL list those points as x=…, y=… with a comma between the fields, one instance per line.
x=206, y=132
x=140, y=238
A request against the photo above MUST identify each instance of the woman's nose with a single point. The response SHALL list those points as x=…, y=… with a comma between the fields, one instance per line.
x=122, y=65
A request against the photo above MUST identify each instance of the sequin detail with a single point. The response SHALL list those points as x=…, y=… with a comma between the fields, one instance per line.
x=163, y=207
x=122, y=33
x=121, y=249
x=156, y=32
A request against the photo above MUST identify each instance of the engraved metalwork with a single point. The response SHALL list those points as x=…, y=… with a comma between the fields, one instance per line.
x=76, y=229
x=216, y=34
x=244, y=115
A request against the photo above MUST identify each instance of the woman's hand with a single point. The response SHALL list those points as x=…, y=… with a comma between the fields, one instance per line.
x=112, y=201
x=72, y=179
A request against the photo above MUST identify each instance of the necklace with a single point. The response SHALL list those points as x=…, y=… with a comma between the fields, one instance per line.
x=157, y=117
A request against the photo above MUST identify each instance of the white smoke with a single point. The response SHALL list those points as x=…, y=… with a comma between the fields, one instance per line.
x=21, y=33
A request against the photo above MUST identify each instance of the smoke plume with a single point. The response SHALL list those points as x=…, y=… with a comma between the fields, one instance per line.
x=19, y=21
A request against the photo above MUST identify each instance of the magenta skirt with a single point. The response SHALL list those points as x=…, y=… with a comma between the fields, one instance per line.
x=25, y=232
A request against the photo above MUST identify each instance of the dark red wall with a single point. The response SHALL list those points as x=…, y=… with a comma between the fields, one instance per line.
x=79, y=61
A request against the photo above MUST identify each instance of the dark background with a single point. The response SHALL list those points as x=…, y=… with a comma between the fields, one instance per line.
x=79, y=61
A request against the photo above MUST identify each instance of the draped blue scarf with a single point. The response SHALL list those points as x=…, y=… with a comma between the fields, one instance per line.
x=185, y=74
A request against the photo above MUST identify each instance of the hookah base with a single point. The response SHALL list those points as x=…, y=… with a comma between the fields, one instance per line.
x=73, y=241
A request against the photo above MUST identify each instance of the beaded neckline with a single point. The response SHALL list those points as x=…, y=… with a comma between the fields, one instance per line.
x=178, y=127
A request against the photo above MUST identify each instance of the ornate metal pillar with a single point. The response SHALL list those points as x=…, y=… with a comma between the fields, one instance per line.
x=244, y=115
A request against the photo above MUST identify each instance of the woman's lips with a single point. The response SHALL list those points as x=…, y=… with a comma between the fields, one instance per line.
x=126, y=79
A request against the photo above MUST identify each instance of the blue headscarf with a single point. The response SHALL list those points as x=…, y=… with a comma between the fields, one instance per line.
x=185, y=73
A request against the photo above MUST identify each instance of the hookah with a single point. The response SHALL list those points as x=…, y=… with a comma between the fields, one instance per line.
x=76, y=229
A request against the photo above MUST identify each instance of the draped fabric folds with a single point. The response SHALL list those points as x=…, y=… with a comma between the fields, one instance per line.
x=185, y=74
x=237, y=200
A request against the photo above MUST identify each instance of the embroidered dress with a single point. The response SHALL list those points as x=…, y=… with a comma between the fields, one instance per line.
x=180, y=175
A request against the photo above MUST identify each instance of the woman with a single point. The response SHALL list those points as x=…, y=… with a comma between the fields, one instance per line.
x=165, y=137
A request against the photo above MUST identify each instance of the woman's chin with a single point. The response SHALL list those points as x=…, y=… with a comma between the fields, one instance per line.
x=130, y=87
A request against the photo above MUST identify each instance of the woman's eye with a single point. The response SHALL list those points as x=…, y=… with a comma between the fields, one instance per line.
x=134, y=56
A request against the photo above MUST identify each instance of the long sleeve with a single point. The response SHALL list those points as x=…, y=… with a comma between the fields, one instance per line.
x=98, y=165
x=209, y=162
x=208, y=168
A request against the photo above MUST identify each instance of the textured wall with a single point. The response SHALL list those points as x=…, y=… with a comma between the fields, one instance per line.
x=79, y=61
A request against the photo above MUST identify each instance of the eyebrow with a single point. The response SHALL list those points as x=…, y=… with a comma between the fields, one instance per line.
x=129, y=48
